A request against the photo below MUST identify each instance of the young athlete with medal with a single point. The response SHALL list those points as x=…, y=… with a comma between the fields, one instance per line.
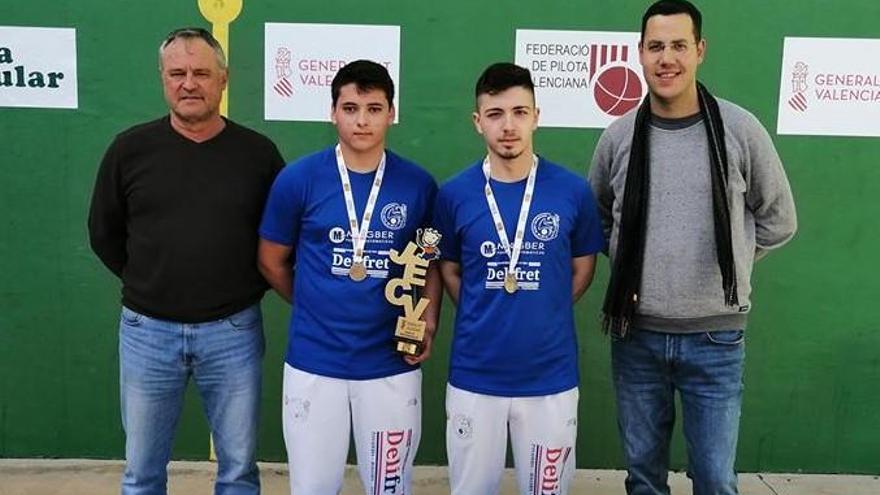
x=330, y=224
x=514, y=351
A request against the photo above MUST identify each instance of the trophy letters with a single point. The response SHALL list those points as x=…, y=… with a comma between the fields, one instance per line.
x=409, y=334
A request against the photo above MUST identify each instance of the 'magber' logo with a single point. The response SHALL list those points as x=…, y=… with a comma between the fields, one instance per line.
x=617, y=89
x=487, y=249
x=798, y=100
x=282, y=85
x=336, y=235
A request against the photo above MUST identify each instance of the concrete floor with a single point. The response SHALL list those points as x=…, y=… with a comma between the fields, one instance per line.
x=83, y=477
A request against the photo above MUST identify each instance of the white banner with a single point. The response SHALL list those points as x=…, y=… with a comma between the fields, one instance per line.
x=38, y=67
x=830, y=87
x=302, y=59
x=582, y=78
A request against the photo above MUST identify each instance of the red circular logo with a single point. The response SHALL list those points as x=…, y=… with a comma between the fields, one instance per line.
x=617, y=90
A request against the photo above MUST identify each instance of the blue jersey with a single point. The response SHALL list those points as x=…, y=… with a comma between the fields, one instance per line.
x=338, y=327
x=520, y=344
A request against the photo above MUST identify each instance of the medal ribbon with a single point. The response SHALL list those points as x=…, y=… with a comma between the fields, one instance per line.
x=359, y=233
x=514, y=252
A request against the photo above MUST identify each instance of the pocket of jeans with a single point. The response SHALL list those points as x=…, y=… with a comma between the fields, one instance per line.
x=246, y=319
x=131, y=318
x=726, y=337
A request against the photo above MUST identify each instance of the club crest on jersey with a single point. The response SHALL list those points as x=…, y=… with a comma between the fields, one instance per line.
x=393, y=216
x=545, y=226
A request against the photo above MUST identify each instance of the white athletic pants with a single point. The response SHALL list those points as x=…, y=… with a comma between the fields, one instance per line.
x=543, y=431
x=318, y=413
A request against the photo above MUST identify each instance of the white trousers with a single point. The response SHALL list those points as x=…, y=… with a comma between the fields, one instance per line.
x=543, y=431
x=318, y=413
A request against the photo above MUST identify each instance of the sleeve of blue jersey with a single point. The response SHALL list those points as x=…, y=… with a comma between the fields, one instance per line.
x=284, y=207
x=444, y=222
x=587, y=237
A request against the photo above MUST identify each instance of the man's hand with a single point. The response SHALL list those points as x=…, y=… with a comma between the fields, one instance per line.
x=273, y=260
x=426, y=349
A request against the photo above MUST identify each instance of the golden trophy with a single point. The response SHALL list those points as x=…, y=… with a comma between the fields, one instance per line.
x=409, y=334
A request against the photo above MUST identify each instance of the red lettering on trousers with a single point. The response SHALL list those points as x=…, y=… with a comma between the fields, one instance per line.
x=550, y=473
x=395, y=437
x=391, y=475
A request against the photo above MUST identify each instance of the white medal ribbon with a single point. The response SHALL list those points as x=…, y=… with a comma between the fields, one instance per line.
x=359, y=232
x=513, y=252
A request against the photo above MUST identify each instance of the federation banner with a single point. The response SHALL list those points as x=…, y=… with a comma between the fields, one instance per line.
x=583, y=79
x=302, y=59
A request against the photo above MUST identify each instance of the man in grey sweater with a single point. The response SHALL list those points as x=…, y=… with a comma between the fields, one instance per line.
x=692, y=192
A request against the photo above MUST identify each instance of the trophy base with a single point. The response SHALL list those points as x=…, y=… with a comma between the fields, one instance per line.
x=409, y=336
x=409, y=348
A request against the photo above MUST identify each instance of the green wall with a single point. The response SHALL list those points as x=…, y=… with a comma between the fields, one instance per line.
x=813, y=346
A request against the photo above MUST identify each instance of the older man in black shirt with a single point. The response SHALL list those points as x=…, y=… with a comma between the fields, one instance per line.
x=174, y=214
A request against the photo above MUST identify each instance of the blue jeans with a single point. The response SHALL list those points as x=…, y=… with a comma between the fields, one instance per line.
x=156, y=360
x=706, y=369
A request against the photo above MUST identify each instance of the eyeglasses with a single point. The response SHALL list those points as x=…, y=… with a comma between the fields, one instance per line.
x=679, y=47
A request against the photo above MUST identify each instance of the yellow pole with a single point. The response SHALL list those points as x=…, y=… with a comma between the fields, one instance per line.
x=220, y=13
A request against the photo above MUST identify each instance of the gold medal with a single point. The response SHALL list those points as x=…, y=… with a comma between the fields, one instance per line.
x=513, y=250
x=358, y=232
x=357, y=272
x=510, y=283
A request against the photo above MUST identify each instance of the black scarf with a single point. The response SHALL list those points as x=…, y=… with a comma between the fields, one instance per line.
x=622, y=297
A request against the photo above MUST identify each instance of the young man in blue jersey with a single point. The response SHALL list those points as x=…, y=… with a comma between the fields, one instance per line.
x=520, y=236
x=329, y=224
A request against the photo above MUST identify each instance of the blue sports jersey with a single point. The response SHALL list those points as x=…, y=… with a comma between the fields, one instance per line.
x=520, y=344
x=338, y=327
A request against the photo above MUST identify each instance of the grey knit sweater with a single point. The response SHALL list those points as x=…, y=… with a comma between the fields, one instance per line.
x=681, y=283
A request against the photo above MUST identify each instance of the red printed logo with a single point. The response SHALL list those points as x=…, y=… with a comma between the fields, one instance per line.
x=282, y=85
x=798, y=100
x=548, y=466
x=391, y=452
x=617, y=88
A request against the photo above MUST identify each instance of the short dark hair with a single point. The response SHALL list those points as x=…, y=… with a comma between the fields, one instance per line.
x=502, y=76
x=673, y=7
x=366, y=75
x=188, y=33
